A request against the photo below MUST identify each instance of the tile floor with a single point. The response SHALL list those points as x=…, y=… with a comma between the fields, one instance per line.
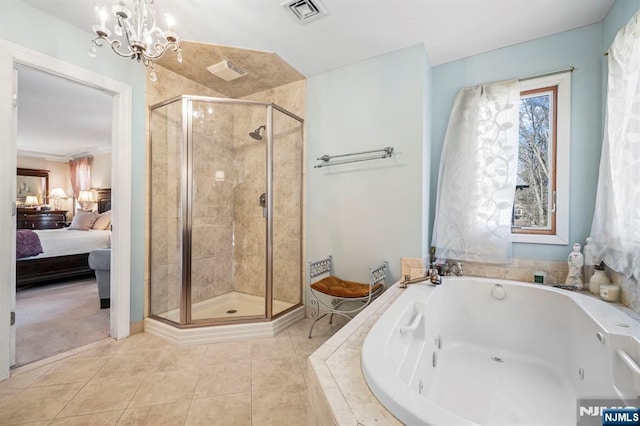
x=143, y=380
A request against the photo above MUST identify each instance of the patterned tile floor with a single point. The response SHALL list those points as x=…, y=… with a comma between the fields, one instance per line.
x=143, y=380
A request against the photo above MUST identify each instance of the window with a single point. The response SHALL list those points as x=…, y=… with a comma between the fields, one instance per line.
x=536, y=151
x=541, y=201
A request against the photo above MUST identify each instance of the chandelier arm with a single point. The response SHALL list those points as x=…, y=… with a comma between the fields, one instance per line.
x=116, y=45
x=160, y=50
x=97, y=41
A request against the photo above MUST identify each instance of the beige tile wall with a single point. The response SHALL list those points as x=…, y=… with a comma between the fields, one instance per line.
x=212, y=211
x=630, y=293
x=518, y=270
x=250, y=226
x=288, y=201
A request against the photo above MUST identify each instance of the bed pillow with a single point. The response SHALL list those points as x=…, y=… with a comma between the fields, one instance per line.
x=27, y=243
x=102, y=221
x=83, y=220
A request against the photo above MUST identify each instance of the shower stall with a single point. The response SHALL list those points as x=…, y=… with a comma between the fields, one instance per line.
x=225, y=228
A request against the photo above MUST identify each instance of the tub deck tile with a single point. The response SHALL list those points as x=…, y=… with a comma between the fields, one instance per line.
x=338, y=390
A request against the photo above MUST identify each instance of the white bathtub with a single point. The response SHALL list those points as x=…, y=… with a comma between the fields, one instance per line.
x=457, y=355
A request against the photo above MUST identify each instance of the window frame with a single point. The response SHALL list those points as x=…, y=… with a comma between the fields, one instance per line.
x=561, y=161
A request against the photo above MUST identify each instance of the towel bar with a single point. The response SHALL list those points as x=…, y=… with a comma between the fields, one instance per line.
x=388, y=153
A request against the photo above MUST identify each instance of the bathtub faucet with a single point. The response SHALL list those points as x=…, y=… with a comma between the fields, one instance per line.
x=449, y=268
x=455, y=268
x=435, y=277
x=434, y=274
x=408, y=280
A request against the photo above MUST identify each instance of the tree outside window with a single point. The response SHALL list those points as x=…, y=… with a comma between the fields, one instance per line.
x=534, y=210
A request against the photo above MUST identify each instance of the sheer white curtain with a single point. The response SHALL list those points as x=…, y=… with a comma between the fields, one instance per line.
x=477, y=176
x=615, y=232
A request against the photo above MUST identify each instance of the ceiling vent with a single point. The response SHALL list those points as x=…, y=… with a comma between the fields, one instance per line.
x=306, y=10
x=226, y=70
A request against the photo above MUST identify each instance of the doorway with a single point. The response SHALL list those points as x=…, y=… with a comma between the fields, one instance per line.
x=12, y=55
x=57, y=300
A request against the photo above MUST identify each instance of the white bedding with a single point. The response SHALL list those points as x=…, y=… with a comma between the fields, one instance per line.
x=61, y=242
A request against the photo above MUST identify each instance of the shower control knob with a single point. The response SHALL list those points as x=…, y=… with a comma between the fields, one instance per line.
x=263, y=200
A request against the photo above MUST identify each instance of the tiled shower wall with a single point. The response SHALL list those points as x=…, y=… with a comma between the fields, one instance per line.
x=212, y=208
x=250, y=225
x=287, y=198
x=226, y=207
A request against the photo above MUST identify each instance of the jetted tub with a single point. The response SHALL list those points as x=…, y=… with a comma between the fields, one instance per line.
x=497, y=352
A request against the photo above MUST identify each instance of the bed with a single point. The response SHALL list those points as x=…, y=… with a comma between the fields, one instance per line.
x=66, y=251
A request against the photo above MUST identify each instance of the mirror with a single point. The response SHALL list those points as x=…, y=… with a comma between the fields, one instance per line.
x=32, y=182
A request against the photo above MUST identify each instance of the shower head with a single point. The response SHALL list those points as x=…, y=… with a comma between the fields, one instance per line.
x=256, y=133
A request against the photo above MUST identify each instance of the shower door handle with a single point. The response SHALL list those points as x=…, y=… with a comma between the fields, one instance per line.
x=263, y=202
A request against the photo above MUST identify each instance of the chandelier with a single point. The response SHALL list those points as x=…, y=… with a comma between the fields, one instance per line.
x=135, y=33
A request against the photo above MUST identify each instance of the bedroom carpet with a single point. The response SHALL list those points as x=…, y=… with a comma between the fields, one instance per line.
x=58, y=317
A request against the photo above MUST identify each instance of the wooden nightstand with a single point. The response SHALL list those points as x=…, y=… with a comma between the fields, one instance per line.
x=40, y=219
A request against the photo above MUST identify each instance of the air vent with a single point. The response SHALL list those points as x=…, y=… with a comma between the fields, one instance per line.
x=306, y=10
x=226, y=70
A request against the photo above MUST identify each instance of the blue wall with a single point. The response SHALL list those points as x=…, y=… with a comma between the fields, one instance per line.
x=581, y=48
x=364, y=213
x=426, y=160
x=26, y=26
x=619, y=14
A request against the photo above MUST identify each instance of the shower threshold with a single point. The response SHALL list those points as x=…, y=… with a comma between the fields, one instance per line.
x=245, y=304
x=230, y=305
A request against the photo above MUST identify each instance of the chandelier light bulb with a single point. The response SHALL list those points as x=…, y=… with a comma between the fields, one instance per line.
x=117, y=30
x=171, y=22
x=102, y=14
x=93, y=52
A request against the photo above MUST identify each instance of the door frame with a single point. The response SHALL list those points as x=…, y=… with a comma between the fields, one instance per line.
x=10, y=55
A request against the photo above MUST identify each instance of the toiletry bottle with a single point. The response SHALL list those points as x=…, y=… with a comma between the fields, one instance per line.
x=575, y=262
x=598, y=279
x=610, y=292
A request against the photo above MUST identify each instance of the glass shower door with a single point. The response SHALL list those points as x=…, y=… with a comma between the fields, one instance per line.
x=165, y=228
x=287, y=212
x=228, y=248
